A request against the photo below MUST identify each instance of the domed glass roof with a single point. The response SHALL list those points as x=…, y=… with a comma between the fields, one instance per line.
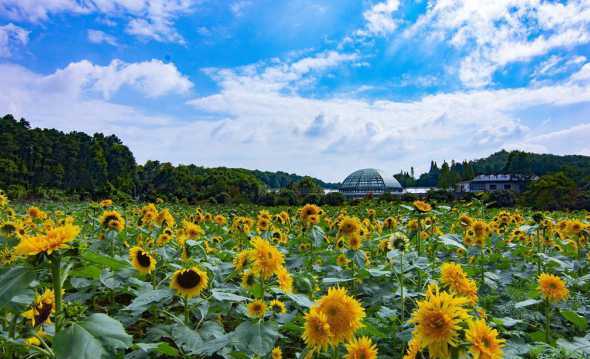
x=369, y=180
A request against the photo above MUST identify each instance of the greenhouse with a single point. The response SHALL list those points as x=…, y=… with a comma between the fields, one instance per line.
x=369, y=181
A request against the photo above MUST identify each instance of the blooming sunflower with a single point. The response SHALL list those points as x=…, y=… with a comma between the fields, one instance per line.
x=413, y=349
x=189, y=282
x=242, y=259
x=263, y=224
x=106, y=203
x=192, y=230
x=310, y=213
x=276, y=353
x=343, y=312
x=219, y=220
x=56, y=238
x=484, y=340
x=278, y=307
x=3, y=200
x=256, y=308
x=267, y=258
x=349, y=226
x=112, y=220
x=142, y=260
x=453, y=276
x=42, y=308
x=361, y=348
x=438, y=320
x=316, y=330
x=355, y=241
x=552, y=287
x=165, y=218
x=35, y=212
x=422, y=206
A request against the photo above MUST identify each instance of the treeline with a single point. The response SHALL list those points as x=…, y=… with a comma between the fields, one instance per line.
x=47, y=163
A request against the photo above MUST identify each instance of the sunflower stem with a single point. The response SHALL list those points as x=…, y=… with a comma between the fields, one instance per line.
x=186, y=311
x=401, y=285
x=56, y=274
x=481, y=266
x=13, y=322
x=547, y=321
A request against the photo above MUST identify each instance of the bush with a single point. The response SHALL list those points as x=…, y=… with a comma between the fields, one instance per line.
x=440, y=195
x=501, y=199
x=409, y=197
x=334, y=199
x=313, y=198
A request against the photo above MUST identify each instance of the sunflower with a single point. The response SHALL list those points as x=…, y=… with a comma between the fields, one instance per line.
x=552, y=287
x=3, y=200
x=263, y=225
x=56, y=238
x=349, y=226
x=310, y=212
x=189, y=282
x=219, y=220
x=165, y=218
x=285, y=280
x=361, y=348
x=342, y=260
x=355, y=242
x=257, y=308
x=316, y=330
x=42, y=308
x=276, y=353
x=343, y=312
x=413, y=349
x=112, y=220
x=484, y=340
x=399, y=241
x=192, y=230
x=480, y=230
x=163, y=239
x=278, y=307
x=453, y=276
x=142, y=260
x=422, y=206
x=267, y=258
x=248, y=279
x=242, y=259
x=36, y=213
x=106, y=203
x=437, y=321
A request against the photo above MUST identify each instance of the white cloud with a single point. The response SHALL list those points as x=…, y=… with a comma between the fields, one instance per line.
x=10, y=36
x=572, y=140
x=99, y=37
x=501, y=32
x=379, y=19
x=237, y=7
x=149, y=19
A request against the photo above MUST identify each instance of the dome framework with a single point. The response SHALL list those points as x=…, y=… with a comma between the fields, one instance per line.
x=369, y=181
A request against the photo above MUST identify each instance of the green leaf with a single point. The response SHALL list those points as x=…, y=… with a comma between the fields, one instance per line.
x=301, y=299
x=160, y=348
x=75, y=342
x=187, y=339
x=225, y=296
x=142, y=302
x=258, y=338
x=317, y=235
x=108, y=331
x=104, y=261
x=575, y=319
x=331, y=280
x=452, y=240
x=13, y=282
x=527, y=303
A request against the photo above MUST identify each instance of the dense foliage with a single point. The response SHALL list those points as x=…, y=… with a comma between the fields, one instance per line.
x=100, y=280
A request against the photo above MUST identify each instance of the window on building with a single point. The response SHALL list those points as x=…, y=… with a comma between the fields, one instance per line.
x=493, y=187
x=507, y=186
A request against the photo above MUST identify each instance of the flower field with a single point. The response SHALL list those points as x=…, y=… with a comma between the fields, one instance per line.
x=369, y=280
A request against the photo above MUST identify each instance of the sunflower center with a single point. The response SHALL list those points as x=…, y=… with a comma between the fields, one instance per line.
x=143, y=259
x=43, y=312
x=437, y=321
x=188, y=279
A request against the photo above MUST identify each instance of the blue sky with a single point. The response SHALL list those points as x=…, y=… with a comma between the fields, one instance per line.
x=312, y=87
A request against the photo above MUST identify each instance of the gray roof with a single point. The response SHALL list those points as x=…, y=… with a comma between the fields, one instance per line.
x=503, y=178
x=370, y=178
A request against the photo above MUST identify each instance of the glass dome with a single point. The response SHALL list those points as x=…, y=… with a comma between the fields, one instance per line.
x=369, y=181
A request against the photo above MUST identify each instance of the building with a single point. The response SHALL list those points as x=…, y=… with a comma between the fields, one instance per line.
x=491, y=183
x=369, y=181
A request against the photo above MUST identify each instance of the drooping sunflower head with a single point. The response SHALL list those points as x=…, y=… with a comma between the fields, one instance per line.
x=36, y=213
x=189, y=282
x=42, y=309
x=342, y=260
x=422, y=206
x=105, y=203
x=8, y=229
x=484, y=340
x=343, y=312
x=3, y=200
x=355, y=242
x=165, y=218
x=112, y=220
x=316, y=331
x=438, y=319
x=399, y=241
x=276, y=353
x=285, y=280
x=361, y=348
x=278, y=307
x=142, y=260
x=192, y=230
x=552, y=287
x=248, y=279
x=256, y=308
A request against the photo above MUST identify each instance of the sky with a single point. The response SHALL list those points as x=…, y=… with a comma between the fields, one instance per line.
x=317, y=88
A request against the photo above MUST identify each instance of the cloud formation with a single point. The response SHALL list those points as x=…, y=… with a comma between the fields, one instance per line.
x=11, y=36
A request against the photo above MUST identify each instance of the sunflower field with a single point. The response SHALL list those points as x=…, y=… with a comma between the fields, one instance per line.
x=369, y=280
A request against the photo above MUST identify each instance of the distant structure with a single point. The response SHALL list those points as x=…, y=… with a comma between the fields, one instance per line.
x=369, y=181
x=491, y=183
